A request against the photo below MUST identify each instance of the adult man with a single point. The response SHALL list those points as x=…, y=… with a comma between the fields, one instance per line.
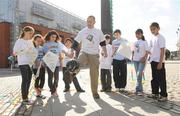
x=90, y=39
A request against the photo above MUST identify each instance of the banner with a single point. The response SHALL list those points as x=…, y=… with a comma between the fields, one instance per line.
x=51, y=60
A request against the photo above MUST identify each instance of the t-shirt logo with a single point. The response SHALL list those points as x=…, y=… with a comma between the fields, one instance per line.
x=90, y=37
x=137, y=47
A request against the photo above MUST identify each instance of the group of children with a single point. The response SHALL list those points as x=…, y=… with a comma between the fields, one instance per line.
x=29, y=45
x=141, y=51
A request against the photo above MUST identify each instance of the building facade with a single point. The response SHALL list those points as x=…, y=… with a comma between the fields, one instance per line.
x=40, y=14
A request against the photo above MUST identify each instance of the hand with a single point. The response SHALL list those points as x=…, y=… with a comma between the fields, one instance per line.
x=143, y=60
x=159, y=66
x=71, y=55
x=105, y=54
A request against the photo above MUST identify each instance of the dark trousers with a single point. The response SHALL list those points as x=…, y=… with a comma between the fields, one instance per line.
x=53, y=79
x=158, y=79
x=39, y=82
x=26, y=74
x=75, y=81
x=106, y=79
x=120, y=73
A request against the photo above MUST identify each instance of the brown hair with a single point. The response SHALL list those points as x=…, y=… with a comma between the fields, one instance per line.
x=35, y=38
x=49, y=34
x=26, y=29
x=91, y=16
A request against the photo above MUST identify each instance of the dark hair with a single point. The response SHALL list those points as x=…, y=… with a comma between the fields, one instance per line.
x=49, y=34
x=155, y=24
x=61, y=36
x=68, y=39
x=141, y=32
x=91, y=16
x=117, y=31
x=26, y=29
x=107, y=36
x=35, y=38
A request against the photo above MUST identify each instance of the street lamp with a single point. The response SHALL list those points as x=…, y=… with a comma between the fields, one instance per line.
x=178, y=35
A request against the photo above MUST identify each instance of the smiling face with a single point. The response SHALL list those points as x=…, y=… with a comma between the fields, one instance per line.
x=117, y=35
x=53, y=38
x=68, y=43
x=28, y=34
x=139, y=35
x=90, y=22
x=38, y=41
x=154, y=30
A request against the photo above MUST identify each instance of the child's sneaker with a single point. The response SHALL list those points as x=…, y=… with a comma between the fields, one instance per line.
x=27, y=102
x=162, y=99
x=153, y=96
x=140, y=93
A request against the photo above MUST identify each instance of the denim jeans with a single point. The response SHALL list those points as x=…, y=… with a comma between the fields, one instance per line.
x=139, y=67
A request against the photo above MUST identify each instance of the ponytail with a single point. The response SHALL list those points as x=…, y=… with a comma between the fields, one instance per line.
x=143, y=38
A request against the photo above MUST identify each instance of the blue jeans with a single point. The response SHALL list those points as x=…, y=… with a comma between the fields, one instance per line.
x=139, y=67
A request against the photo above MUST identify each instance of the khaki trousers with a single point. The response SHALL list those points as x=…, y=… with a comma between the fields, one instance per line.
x=93, y=61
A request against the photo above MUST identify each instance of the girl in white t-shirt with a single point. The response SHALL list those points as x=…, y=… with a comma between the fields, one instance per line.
x=105, y=66
x=26, y=55
x=140, y=54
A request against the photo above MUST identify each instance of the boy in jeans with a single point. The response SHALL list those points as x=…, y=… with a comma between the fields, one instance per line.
x=157, y=60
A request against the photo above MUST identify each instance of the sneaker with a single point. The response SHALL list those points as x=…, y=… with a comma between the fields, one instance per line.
x=117, y=90
x=27, y=102
x=162, y=99
x=66, y=90
x=153, y=96
x=41, y=96
x=96, y=96
x=81, y=90
x=108, y=90
x=122, y=90
x=38, y=92
x=140, y=93
x=55, y=94
x=102, y=90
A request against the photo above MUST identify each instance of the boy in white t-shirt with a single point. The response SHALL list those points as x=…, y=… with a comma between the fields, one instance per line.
x=157, y=60
x=105, y=66
x=67, y=48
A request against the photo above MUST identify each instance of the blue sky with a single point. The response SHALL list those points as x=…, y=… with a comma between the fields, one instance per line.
x=128, y=15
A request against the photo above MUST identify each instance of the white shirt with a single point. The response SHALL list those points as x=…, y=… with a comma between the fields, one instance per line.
x=66, y=59
x=90, y=39
x=140, y=48
x=25, y=51
x=157, y=43
x=105, y=63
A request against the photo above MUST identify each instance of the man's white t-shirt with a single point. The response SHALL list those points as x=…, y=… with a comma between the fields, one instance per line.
x=140, y=48
x=157, y=43
x=105, y=62
x=90, y=39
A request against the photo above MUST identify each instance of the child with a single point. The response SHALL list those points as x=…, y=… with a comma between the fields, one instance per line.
x=119, y=63
x=52, y=45
x=140, y=54
x=157, y=60
x=68, y=49
x=26, y=53
x=105, y=66
x=39, y=82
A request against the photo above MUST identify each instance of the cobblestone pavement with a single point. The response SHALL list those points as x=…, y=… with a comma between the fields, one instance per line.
x=10, y=96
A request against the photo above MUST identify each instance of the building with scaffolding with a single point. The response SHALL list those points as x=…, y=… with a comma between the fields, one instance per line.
x=40, y=14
